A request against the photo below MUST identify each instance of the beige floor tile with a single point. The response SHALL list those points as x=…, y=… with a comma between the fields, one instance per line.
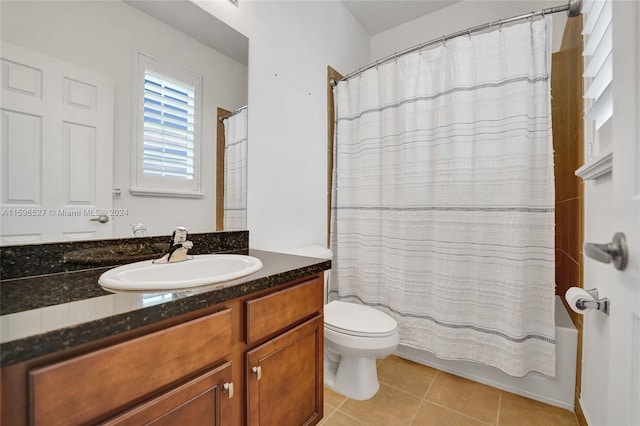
x=327, y=412
x=340, y=419
x=516, y=410
x=406, y=375
x=388, y=407
x=433, y=415
x=333, y=398
x=469, y=398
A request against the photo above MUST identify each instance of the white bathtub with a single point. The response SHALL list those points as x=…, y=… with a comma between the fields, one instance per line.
x=558, y=391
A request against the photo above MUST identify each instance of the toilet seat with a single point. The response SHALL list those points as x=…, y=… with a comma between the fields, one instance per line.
x=358, y=320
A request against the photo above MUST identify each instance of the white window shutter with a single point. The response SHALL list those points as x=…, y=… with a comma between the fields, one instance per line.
x=598, y=74
x=169, y=118
x=598, y=88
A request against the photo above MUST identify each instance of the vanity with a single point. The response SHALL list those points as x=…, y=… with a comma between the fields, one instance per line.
x=249, y=351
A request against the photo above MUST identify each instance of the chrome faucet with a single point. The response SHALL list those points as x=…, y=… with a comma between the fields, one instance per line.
x=178, y=248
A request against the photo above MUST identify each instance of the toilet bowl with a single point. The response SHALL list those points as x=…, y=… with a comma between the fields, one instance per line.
x=354, y=337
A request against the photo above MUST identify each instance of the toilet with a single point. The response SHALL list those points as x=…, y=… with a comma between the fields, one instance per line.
x=354, y=337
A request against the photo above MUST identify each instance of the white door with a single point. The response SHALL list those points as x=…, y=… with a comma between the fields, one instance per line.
x=624, y=321
x=611, y=345
x=57, y=149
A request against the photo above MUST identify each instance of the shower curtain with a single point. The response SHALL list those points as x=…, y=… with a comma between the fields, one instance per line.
x=235, y=171
x=443, y=198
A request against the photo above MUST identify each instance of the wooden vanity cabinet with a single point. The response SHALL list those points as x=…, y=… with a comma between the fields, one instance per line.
x=285, y=372
x=194, y=369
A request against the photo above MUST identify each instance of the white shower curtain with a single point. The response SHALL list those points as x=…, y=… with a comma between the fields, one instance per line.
x=443, y=198
x=235, y=171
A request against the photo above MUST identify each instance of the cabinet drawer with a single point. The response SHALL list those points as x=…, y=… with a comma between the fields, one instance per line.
x=86, y=387
x=272, y=313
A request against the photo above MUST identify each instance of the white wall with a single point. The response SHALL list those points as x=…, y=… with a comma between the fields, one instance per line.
x=290, y=46
x=104, y=36
x=457, y=17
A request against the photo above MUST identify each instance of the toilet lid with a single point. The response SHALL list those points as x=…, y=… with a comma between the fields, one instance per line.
x=358, y=320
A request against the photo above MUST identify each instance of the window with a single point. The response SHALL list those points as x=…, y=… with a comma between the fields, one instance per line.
x=598, y=76
x=167, y=149
x=169, y=118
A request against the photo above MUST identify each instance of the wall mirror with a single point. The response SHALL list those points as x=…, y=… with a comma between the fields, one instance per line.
x=101, y=104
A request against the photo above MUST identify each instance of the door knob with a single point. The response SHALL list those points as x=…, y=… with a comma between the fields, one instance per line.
x=615, y=252
x=103, y=218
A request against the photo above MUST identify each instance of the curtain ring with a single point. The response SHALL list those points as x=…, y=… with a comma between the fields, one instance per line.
x=444, y=41
x=469, y=32
x=500, y=24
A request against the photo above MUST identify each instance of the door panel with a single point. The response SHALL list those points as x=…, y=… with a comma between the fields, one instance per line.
x=624, y=347
x=284, y=383
x=57, y=149
x=203, y=401
x=611, y=344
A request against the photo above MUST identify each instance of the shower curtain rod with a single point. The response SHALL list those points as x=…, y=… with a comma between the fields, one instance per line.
x=231, y=114
x=573, y=9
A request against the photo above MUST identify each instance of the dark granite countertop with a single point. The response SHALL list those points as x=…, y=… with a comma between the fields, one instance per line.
x=48, y=313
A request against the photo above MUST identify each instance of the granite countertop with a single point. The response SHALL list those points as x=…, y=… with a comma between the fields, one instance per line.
x=48, y=313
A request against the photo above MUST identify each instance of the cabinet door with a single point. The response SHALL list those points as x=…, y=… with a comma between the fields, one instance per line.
x=205, y=400
x=284, y=378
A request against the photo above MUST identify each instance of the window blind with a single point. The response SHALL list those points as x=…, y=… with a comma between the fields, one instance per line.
x=598, y=62
x=168, y=131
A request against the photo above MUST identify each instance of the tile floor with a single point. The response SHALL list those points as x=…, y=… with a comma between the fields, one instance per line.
x=413, y=394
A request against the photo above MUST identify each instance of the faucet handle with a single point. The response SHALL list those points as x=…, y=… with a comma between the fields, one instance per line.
x=179, y=235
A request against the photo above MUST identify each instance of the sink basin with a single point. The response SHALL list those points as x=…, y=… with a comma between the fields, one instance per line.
x=200, y=270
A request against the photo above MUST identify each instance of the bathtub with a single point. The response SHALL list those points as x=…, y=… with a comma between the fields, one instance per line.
x=558, y=391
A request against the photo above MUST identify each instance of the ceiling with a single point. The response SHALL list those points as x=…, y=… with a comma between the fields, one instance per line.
x=377, y=16
x=187, y=17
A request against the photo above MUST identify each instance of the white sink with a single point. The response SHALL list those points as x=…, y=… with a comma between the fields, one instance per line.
x=200, y=270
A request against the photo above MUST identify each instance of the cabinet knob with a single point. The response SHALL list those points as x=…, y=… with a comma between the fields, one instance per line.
x=228, y=388
x=257, y=371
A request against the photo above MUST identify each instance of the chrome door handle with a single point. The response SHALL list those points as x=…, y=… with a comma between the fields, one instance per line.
x=103, y=218
x=615, y=252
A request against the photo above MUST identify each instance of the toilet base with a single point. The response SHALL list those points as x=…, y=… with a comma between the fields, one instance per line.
x=356, y=377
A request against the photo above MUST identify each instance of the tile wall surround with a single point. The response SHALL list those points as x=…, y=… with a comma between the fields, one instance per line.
x=568, y=144
x=51, y=258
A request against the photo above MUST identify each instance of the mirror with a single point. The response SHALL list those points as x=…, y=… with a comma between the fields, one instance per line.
x=74, y=107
